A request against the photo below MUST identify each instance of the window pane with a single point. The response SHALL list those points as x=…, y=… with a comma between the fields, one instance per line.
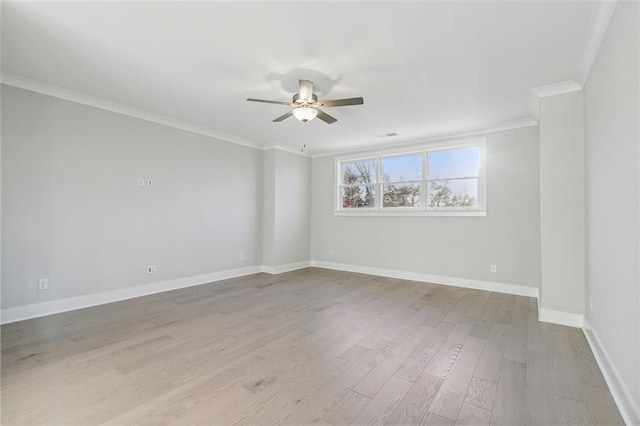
x=401, y=195
x=453, y=193
x=402, y=169
x=358, y=196
x=354, y=172
x=463, y=162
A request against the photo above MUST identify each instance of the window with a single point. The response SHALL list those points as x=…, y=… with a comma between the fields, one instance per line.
x=358, y=184
x=443, y=179
x=453, y=177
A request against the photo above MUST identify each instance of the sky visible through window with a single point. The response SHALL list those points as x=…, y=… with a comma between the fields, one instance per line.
x=402, y=169
x=463, y=162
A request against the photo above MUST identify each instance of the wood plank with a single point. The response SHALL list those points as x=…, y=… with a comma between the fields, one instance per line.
x=565, y=374
x=508, y=408
x=415, y=364
x=601, y=407
x=381, y=373
x=415, y=404
x=491, y=359
x=471, y=415
x=443, y=360
x=354, y=353
x=571, y=412
x=433, y=419
x=590, y=374
x=385, y=402
x=345, y=408
x=539, y=407
x=450, y=397
x=481, y=393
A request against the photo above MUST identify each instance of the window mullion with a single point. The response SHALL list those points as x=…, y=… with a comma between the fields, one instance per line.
x=379, y=184
x=425, y=178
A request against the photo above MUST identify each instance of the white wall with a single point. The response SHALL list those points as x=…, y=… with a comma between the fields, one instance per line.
x=458, y=247
x=562, y=204
x=73, y=213
x=612, y=117
x=287, y=203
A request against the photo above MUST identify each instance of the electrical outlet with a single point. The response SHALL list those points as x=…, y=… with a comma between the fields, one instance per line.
x=43, y=284
x=241, y=256
x=493, y=269
x=149, y=182
x=140, y=181
x=151, y=269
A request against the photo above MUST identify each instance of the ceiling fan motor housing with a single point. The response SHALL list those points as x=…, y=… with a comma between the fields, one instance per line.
x=300, y=102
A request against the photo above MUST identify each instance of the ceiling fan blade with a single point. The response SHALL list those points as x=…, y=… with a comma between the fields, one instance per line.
x=342, y=102
x=326, y=117
x=283, y=117
x=268, y=102
x=306, y=89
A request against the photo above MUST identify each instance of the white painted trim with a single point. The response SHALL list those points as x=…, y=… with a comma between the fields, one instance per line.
x=287, y=148
x=556, y=89
x=597, y=30
x=279, y=269
x=400, y=213
x=36, y=310
x=499, y=127
x=559, y=317
x=80, y=98
x=629, y=409
x=518, y=290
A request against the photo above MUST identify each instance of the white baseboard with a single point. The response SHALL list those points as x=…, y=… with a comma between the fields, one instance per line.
x=279, y=269
x=36, y=310
x=629, y=408
x=559, y=317
x=518, y=290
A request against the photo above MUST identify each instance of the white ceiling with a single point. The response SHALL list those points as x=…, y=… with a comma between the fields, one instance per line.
x=424, y=68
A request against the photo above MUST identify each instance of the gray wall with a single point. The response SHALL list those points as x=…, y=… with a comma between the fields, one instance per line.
x=613, y=196
x=562, y=203
x=287, y=203
x=269, y=207
x=459, y=247
x=293, y=204
x=73, y=213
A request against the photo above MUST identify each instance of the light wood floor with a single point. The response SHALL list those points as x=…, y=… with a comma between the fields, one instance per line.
x=310, y=346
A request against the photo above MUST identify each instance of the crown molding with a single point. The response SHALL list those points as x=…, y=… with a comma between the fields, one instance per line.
x=286, y=148
x=498, y=127
x=596, y=32
x=556, y=89
x=80, y=98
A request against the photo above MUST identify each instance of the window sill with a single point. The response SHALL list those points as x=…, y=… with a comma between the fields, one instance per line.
x=453, y=213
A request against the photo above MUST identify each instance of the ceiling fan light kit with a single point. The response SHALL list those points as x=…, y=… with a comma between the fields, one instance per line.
x=305, y=113
x=306, y=104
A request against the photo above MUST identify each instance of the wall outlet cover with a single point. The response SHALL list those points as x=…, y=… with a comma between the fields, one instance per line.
x=43, y=284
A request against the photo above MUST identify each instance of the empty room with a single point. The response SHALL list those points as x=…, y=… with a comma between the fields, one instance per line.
x=328, y=213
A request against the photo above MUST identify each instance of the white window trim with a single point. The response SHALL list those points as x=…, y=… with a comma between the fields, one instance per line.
x=379, y=210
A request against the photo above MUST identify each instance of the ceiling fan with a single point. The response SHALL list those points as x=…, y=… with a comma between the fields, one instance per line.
x=306, y=104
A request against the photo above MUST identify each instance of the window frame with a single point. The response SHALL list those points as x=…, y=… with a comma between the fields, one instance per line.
x=425, y=209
